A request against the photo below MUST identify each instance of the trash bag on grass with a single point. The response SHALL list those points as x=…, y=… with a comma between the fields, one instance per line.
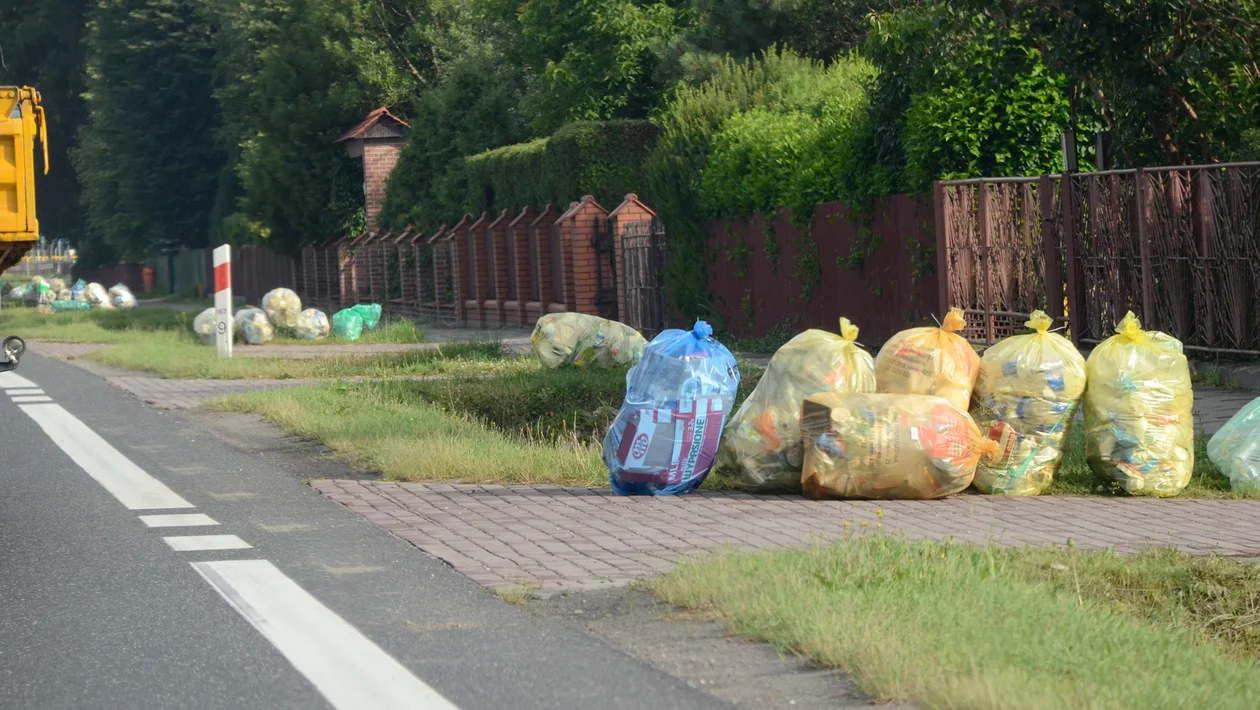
x=1139, y=421
x=79, y=290
x=282, y=307
x=761, y=446
x=347, y=325
x=1235, y=449
x=312, y=324
x=203, y=326
x=581, y=340
x=98, y=296
x=933, y=361
x=885, y=446
x=65, y=295
x=665, y=437
x=370, y=313
x=252, y=325
x=121, y=297
x=18, y=293
x=69, y=304
x=1029, y=389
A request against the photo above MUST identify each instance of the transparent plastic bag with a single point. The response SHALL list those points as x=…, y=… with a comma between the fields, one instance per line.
x=1029, y=389
x=888, y=446
x=370, y=313
x=252, y=325
x=312, y=324
x=1139, y=420
x=585, y=341
x=761, y=446
x=98, y=296
x=1235, y=449
x=347, y=325
x=282, y=307
x=933, y=361
x=79, y=291
x=18, y=293
x=121, y=296
x=55, y=285
x=203, y=326
x=65, y=295
x=665, y=437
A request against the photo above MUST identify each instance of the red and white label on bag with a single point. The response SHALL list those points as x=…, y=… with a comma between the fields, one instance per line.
x=666, y=446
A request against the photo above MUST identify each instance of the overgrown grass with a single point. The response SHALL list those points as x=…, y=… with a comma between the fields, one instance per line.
x=1076, y=478
x=177, y=356
x=548, y=404
x=416, y=441
x=958, y=626
x=391, y=332
x=109, y=326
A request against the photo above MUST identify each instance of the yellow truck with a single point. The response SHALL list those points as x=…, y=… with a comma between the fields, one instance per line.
x=22, y=121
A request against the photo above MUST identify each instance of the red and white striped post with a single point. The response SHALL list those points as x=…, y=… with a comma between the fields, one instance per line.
x=223, y=300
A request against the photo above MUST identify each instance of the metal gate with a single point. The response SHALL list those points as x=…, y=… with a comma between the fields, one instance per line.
x=643, y=255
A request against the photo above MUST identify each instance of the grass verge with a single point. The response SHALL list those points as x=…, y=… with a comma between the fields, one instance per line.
x=959, y=626
x=417, y=441
x=173, y=355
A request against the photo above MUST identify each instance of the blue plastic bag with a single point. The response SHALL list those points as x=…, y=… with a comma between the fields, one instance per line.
x=678, y=397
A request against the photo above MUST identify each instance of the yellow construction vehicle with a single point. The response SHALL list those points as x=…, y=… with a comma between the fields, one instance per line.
x=22, y=120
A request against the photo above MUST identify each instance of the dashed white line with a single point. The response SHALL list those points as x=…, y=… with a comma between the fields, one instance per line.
x=342, y=663
x=134, y=488
x=30, y=399
x=14, y=391
x=12, y=380
x=178, y=520
x=198, y=543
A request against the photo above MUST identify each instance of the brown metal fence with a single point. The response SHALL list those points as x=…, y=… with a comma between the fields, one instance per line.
x=1179, y=246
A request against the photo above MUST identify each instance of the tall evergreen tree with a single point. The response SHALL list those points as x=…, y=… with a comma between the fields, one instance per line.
x=148, y=159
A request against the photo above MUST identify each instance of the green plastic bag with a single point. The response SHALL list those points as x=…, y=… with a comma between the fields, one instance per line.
x=347, y=324
x=370, y=313
x=71, y=305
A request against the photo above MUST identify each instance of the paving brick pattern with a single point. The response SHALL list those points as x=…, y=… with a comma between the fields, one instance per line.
x=65, y=351
x=186, y=394
x=562, y=538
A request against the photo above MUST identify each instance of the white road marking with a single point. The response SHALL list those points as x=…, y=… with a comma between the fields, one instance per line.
x=134, y=488
x=29, y=399
x=12, y=380
x=197, y=543
x=342, y=663
x=178, y=520
x=24, y=390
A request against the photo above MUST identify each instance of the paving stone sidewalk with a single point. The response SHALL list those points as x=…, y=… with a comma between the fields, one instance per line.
x=567, y=538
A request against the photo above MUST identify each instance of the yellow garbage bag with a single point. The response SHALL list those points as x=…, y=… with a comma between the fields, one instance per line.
x=282, y=307
x=585, y=341
x=1029, y=389
x=935, y=361
x=761, y=446
x=1139, y=422
x=882, y=446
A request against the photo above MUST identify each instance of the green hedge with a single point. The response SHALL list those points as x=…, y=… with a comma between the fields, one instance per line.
x=600, y=158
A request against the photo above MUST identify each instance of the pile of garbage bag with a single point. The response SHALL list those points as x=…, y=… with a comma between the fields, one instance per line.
x=665, y=437
x=312, y=324
x=1139, y=422
x=1029, y=389
x=882, y=446
x=585, y=341
x=1235, y=449
x=761, y=447
x=98, y=296
x=63, y=305
x=931, y=361
x=283, y=308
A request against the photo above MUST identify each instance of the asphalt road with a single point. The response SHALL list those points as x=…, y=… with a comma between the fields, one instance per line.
x=303, y=605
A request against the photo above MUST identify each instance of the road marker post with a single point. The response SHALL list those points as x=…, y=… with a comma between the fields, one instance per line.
x=223, y=300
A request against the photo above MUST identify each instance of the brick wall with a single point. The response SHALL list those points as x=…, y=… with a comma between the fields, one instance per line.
x=379, y=158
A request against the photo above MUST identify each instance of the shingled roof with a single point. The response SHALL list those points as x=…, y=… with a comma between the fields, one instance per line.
x=372, y=120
